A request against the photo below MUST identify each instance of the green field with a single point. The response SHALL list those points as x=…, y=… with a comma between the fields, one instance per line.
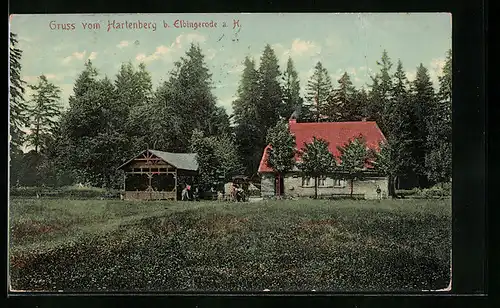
x=344, y=245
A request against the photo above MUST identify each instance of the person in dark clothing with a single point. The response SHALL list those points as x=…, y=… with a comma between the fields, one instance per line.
x=196, y=194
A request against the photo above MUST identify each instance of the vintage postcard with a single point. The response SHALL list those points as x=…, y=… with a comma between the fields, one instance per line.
x=230, y=152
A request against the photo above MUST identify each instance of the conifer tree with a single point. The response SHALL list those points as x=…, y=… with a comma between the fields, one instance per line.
x=343, y=105
x=438, y=158
x=17, y=105
x=423, y=100
x=246, y=104
x=44, y=112
x=362, y=103
x=270, y=94
x=318, y=92
x=191, y=90
x=400, y=131
x=380, y=93
x=292, y=102
x=247, y=127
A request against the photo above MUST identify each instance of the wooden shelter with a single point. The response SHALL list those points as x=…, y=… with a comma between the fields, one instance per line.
x=157, y=175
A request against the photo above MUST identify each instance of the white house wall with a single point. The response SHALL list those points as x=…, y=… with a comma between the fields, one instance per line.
x=293, y=187
x=267, y=183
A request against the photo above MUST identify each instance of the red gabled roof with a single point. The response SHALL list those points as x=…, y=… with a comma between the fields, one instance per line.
x=336, y=133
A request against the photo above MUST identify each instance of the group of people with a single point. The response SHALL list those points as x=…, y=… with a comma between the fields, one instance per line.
x=188, y=193
x=237, y=193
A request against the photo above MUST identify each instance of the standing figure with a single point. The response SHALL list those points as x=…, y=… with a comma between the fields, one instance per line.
x=379, y=191
x=196, y=194
x=185, y=194
x=233, y=192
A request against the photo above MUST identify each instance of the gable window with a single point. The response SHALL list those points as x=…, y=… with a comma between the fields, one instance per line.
x=339, y=183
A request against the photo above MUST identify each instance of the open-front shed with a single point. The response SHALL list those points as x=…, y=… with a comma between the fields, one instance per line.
x=157, y=175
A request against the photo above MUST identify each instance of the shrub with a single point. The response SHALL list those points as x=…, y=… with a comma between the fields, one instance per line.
x=436, y=191
x=68, y=192
x=441, y=190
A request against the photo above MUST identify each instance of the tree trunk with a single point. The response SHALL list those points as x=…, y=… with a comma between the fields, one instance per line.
x=278, y=192
x=315, y=187
x=352, y=186
x=37, y=132
x=108, y=180
x=392, y=186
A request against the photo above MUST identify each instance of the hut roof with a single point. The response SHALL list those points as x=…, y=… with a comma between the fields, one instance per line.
x=184, y=161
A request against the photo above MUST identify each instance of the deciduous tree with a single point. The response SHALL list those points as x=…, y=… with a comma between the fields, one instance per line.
x=354, y=158
x=316, y=160
x=282, y=150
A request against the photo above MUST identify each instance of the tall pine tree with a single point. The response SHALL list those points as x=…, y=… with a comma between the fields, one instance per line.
x=318, y=92
x=247, y=127
x=438, y=158
x=362, y=103
x=17, y=105
x=399, y=126
x=270, y=95
x=380, y=94
x=44, y=113
x=423, y=100
x=17, y=109
x=191, y=83
x=292, y=101
x=343, y=105
x=245, y=105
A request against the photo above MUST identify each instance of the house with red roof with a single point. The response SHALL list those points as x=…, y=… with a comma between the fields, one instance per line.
x=336, y=134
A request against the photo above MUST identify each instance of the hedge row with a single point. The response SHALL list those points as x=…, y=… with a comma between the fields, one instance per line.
x=437, y=191
x=64, y=192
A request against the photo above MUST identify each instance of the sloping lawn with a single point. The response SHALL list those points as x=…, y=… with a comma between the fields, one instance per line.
x=99, y=245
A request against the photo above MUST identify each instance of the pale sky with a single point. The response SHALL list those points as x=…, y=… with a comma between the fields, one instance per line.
x=342, y=42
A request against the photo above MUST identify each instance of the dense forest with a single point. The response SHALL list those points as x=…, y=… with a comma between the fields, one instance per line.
x=110, y=120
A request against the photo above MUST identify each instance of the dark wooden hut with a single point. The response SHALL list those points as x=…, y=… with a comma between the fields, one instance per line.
x=157, y=175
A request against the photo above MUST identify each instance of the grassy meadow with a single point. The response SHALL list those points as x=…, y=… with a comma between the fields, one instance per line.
x=301, y=245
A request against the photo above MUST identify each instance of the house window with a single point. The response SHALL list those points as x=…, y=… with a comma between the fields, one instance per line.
x=306, y=182
x=322, y=181
x=339, y=183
